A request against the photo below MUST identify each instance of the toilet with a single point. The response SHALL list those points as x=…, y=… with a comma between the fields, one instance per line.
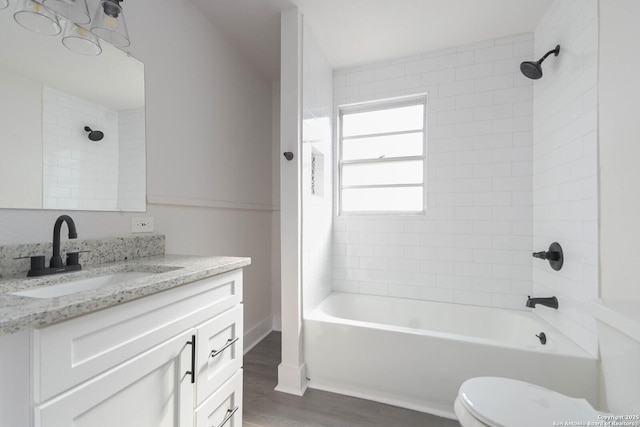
x=505, y=402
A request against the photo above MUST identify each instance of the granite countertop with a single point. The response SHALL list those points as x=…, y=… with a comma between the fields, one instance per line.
x=21, y=312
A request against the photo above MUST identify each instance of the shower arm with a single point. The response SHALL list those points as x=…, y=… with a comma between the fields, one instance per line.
x=555, y=51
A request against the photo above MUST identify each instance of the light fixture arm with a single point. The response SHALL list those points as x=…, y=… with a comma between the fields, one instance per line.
x=110, y=9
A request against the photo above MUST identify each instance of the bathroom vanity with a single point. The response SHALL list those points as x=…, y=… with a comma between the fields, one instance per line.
x=157, y=349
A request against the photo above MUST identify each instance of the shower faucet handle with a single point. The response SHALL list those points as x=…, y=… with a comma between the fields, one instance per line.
x=554, y=255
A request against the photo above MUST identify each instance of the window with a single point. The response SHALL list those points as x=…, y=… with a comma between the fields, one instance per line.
x=382, y=157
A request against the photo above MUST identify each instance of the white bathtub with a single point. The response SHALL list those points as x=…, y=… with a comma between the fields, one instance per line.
x=416, y=354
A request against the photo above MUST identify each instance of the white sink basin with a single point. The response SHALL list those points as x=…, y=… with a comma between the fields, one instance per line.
x=79, y=285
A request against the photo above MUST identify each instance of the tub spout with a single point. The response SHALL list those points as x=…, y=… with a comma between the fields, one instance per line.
x=549, y=302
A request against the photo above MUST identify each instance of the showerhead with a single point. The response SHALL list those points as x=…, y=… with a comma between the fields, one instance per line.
x=533, y=70
x=94, y=135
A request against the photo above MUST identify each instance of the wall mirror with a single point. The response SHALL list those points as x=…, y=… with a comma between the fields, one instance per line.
x=49, y=95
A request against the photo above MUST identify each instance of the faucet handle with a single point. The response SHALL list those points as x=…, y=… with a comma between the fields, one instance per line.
x=541, y=254
x=37, y=261
x=73, y=258
x=554, y=255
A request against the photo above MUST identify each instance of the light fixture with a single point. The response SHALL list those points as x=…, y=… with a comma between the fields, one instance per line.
x=44, y=16
x=108, y=23
x=75, y=11
x=80, y=40
x=37, y=18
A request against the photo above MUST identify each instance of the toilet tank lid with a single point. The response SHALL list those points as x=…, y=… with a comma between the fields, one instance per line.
x=621, y=315
x=504, y=402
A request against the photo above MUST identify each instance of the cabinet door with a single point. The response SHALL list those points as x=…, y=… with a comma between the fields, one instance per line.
x=150, y=390
x=219, y=351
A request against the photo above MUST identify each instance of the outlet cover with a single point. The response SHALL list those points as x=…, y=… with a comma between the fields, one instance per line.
x=142, y=224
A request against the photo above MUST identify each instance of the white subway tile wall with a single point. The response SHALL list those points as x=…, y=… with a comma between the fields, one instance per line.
x=78, y=173
x=474, y=244
x=565, y=165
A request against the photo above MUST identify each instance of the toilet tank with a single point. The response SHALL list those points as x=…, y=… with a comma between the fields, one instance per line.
x=619, y=339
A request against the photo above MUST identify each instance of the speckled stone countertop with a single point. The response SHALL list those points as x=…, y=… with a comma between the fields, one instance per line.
x=21, y=312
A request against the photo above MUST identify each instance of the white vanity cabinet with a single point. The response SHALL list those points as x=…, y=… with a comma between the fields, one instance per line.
x=168, y=359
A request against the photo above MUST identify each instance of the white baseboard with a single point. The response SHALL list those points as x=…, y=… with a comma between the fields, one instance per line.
x=256, y=334
x=277, y=322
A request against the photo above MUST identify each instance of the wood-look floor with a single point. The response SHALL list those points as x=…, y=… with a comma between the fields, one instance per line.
x=264, y=407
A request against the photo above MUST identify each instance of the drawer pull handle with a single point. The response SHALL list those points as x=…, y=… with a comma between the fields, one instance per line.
x=192, y=372
x=230, y=342
x=230, y=413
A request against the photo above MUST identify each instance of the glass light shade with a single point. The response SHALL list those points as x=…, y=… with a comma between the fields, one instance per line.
x=80, y=40
x=4, y=4
x=73, y=10
x=37, y=18
x=108, y=23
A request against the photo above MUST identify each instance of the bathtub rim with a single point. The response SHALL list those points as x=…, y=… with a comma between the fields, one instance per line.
x=317, y=314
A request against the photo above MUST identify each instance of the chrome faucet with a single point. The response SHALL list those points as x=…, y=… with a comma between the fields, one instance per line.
x=549, y=302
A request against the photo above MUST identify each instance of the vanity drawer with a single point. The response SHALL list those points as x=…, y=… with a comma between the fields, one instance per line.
x=219, y=353
x=224, y=407
x=73, y=351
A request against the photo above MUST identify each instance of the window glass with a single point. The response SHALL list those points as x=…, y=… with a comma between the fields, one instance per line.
x=383, y=121
x=382, y=173
x=382, y=157
x=383, y=147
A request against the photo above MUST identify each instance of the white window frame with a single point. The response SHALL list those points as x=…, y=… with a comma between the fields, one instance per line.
x=374, y=106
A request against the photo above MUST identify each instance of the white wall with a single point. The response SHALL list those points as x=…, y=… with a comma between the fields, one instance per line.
x=619, y=149
x=474, y=244
x=132, y=171
x=317, y=191
x=566, y=165
x=78, y=173
x=208, y=125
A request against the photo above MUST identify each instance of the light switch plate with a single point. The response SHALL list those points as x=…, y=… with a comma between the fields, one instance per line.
x=142, y=224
